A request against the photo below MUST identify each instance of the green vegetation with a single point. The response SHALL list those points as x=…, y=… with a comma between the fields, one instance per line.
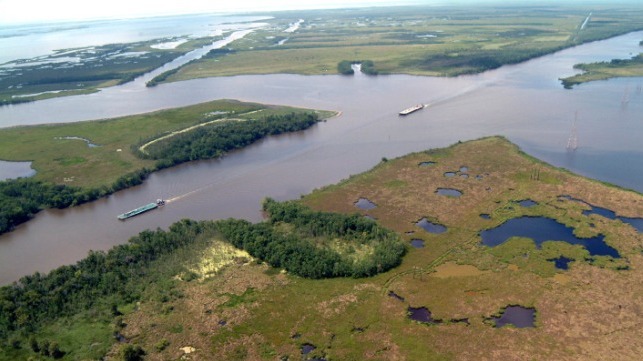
x=159, y=294
x=437, y=41
x=345, y=67
x=316, y=244
x=615, y=68
x=69, y=172
x=217, y=138
x=368, y=67
x=91, y=288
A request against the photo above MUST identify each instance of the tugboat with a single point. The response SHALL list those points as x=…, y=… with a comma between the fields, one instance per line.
x=412, y=109
x=135, y=212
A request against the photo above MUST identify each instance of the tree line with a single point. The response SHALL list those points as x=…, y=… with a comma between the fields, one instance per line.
x=214, y=140
x=22, y=198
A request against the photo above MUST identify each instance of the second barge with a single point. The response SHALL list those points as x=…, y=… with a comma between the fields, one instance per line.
x=412, y=109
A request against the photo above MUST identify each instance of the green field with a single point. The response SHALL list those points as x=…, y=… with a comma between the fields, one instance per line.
x=441, y=40
x=61, y=160
x=206, y=301
x=616, y=68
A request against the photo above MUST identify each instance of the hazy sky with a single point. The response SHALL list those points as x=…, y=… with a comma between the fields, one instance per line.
x=20, y=11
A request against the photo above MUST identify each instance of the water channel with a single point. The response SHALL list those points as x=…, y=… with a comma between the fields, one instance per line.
x=524, y=102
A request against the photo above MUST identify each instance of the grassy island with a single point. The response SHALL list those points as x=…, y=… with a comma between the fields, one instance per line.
x=80, y=162
x=188, y=293
x=615, y=68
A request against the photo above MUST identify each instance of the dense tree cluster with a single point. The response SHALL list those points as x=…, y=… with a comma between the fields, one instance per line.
x=298, y=252
x=345, y=67
x=212, y=141
x=21, y=199
x=67, y=290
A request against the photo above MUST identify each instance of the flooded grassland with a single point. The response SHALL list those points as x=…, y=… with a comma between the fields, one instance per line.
x=463, y=287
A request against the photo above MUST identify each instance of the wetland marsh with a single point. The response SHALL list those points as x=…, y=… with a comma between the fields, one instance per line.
x=453, y=284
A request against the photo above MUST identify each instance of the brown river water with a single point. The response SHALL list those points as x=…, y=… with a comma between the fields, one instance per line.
x=524, y=102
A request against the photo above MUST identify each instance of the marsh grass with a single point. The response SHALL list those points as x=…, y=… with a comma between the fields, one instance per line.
x=273, y=314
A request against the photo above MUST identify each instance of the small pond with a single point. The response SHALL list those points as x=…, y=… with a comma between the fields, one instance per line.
x=431, y=227
x=517, y=316
x=561, y=262
x=421, y=314
x=417, y=243
x=464, y=169
x=12, y=170
x=449, y=192
x=541, y=229
x=450, y=174
x=485, y=216
x=365, y=204
x=464, y=176
x=307, y=348
x=426, y=164
x=527, y=203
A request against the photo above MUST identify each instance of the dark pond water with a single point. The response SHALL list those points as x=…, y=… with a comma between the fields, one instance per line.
x=449, y=192
x=430, y=226
x=421, y=314
x=450, y=174
x=307, y=348
x=523, y=102
x=517, y=316
x=561, y=262
x=417, y=243
x=426, y=164
x=485, y=216
x=365, y=204
x=541, y=229
x=527, y=203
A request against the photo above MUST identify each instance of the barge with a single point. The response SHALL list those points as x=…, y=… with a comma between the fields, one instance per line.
x=142, y=209
x=412, y=109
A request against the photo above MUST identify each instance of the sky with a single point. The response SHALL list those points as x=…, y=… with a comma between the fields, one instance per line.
x=32, y=11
